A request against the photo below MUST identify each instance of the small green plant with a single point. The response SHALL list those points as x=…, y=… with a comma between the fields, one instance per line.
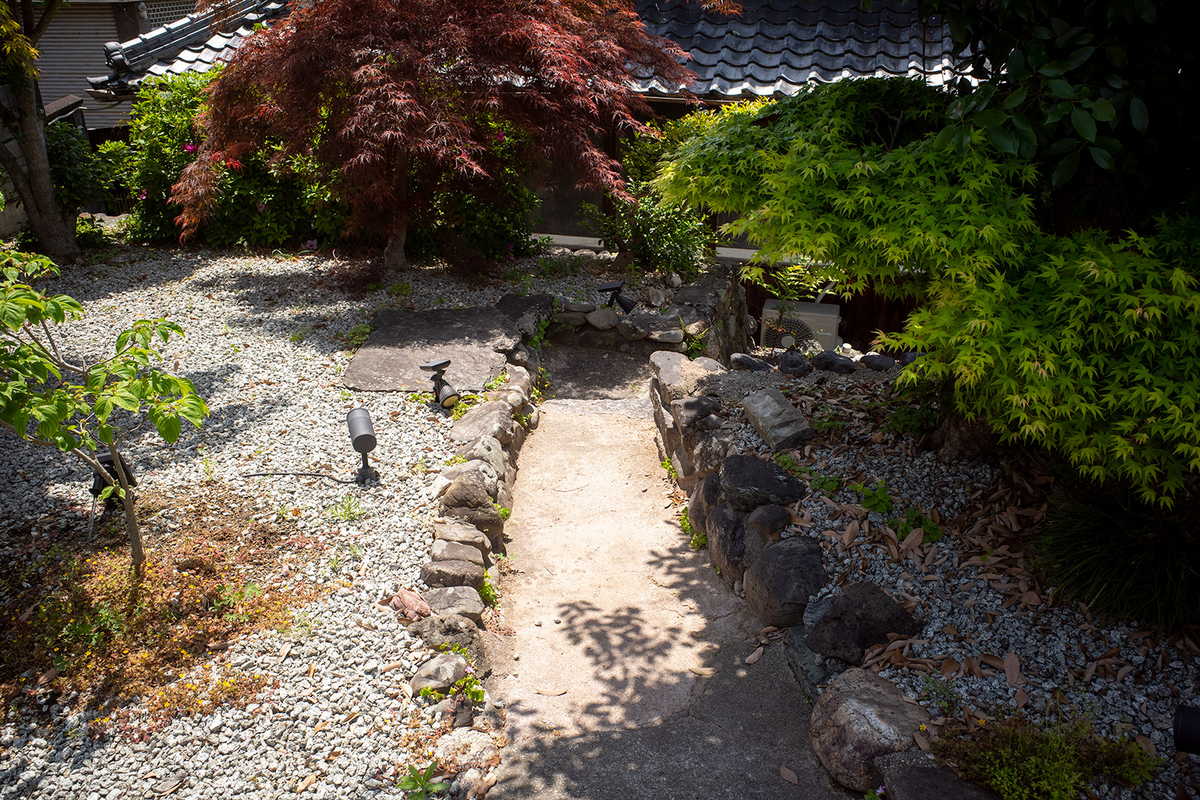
x=826, y=484
x=232, y=599
x=912, y=520
x=357, y=336
x=791, y=465
x=538, y=339
x=470, y=688
x=465, y=403
x=399, y=290
x=874, y=794
x=504, y=513
x=452, y=460
x=941, y=693
x=488, y=593
x=875, y=498
x=911, y=419
x=356, y=551
x=670, y=468
x=827, y=424
x=419, y=784
x=697, y=540
x=419, y=467
x=348, y=510
x=496, y=382
x=297, y=337
x=694, y=344
x=1022, y=762
x=421, y=397
x=335, y=563
x=541, y=387
x=431, y=694
x=208, y=466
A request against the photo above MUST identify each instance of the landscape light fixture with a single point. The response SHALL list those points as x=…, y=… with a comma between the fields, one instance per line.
x=627, y=304
x=362, y=434
x=98, y=483
x=1187, y=729
x=443, y=393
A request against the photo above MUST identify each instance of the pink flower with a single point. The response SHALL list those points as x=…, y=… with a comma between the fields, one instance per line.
x=262, y=207
x=499, y=136
x=142, y=194
x=189, y=148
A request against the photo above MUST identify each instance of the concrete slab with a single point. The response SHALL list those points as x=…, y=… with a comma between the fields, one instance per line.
x=476, y=340
x=585, y=373
x=625, y=675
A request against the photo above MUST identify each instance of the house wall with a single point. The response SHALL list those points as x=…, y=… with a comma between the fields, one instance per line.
x=72, y=49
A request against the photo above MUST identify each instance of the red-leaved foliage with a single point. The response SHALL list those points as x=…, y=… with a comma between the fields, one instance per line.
x=394, y=97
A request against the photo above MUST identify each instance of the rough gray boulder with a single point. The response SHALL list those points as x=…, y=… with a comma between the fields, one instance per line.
x=794, y=363
x=603, y=318
x=468, y=490
x=462, y=600
x=454, y=629
x=877, y=362
x=572, y=318
x=812, y=671
x=462, y=533
x=858, y=717
x=750, y=482
x=749, y=363
x=691, y=409
x=453, y=551
x=779, y=582
x=493, y=418
x=526, y=311
x=727, y=542
x=486, y=519
x=453, y=573
x=918, y=776
x=706, y=495
x=861, y=616
x=439, y=673
x=763, y=527
x=833, y=362
x=777, y=421
x=632, y=329
x=485, y=448
x=679, y=376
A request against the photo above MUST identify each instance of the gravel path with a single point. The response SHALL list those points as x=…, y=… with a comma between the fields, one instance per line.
x=265, y=346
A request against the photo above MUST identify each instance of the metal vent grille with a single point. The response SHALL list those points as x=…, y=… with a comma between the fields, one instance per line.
x=775, y=331
x=163, y=11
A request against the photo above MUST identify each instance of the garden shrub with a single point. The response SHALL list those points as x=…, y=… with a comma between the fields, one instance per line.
x=261, y=203
x=1084, y=346
x=846, y=181
x=78, y=174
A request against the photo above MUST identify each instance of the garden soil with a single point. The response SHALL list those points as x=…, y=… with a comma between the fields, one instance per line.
x=624, y=674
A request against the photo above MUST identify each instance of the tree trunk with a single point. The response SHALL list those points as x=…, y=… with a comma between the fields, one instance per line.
x=54, y=229
x=136, y=552
x=393, y=254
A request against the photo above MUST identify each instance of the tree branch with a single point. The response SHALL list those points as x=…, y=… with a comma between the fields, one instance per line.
x=51, y=9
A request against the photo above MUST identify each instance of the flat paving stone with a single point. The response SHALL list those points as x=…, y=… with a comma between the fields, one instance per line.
x=476, y=340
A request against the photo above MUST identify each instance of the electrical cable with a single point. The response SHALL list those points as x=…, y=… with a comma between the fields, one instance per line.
x=311, y=474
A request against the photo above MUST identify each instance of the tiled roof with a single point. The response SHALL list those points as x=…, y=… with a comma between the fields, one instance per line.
x=190, y=44
x=776, y=46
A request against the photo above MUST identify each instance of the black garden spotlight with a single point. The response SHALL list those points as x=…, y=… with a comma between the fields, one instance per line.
x=445, y=394
x=627, y=304
x=105, y=460
x=362, y=434
x=1187, y=729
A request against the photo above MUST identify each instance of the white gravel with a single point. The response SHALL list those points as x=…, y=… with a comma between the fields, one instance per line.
x=264, y=347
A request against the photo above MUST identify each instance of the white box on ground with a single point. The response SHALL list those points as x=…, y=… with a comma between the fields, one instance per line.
x=821, y=318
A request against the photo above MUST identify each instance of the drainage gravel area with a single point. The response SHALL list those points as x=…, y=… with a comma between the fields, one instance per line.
x=995, y=641
x=267, y=339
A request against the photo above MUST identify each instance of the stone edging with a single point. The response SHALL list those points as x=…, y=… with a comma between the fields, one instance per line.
x=863, y=729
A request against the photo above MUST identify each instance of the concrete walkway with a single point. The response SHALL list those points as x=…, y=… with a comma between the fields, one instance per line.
x=625, y=675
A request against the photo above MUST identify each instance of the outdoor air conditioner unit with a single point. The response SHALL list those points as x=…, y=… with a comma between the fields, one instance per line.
x=803, y=321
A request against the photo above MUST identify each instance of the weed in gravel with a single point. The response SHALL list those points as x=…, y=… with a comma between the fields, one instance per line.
x=399, y=290
x=789, y=464
x=418, y=784
x=697, y=540
x=452, y=460
x=670, y=468
x=874, y=498
x=488, y=593
x=357, y=336
x=1023, y=762
x=349, y=510
x=912, y=520
x=465, y=403
x=297, y=337
x=941, y=693
x=911, y=420
x=828, y=485
x=504, y=513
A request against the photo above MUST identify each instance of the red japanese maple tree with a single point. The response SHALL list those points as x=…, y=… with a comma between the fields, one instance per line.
x=393, y=97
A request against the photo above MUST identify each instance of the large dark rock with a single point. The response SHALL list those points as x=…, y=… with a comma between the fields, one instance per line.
x=691, y=409
x=958, y=440
x=861, y=716
x=493, y=418
x=834, y=362
x=451, y=600
x=486, y=519
x=861, y=616
x=794, y=363
x=454, y=551
x=706, y=495
x=812, y=671
x=455, y=629
x=877, y=362
x=918, y=776
x=762, y=529
x=468, y=490
x=749, y=363
x=453, y=573
x=779, y=582
x=526, y=312
x=750, y=482
x=462, y=533
x=727, y=542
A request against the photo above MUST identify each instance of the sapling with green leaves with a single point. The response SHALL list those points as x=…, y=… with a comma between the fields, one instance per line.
x=50, y=400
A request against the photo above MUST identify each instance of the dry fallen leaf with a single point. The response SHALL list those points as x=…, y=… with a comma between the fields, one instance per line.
x=552, y=692
x=921, y=741
x=1021, y=699
x=351, y=717
x=703, y=671
x=307, y=782
x=755, y=656
x=1146, y=744
x=321, y=726
x=1012, y=669
x=789, y=776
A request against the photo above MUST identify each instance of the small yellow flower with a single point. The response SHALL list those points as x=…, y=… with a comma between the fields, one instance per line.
x=923, y=726
x=983, y=722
